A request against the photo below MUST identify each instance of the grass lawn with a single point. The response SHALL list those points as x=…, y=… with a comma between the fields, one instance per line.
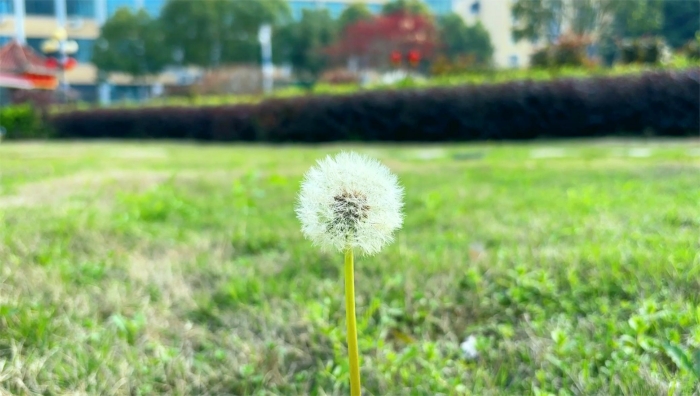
x=144, y=268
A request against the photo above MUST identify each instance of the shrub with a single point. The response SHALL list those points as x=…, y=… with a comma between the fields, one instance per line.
x=661, y=103
x=647, y=50
x=569, y=50
x=691, y=49
x=22, y=122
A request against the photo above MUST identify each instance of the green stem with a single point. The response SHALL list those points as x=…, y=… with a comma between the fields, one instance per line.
x=352, y=325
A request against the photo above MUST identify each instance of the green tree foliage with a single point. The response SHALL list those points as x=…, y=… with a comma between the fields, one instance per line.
x=681, y=21
x=131, y=43
x=353, y=13
x=208, y=33
x=459, y=39
x=639, y=18
x=415, y=7
x=302, y=42
x=537, y=19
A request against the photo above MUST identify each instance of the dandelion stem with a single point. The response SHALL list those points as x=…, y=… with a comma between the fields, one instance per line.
x=352, y=325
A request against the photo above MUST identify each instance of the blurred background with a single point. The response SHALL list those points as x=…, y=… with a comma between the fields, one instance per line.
x=107, y=52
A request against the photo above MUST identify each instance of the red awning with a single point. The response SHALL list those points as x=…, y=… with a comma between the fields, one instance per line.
x=12, y=81
x=23, y=68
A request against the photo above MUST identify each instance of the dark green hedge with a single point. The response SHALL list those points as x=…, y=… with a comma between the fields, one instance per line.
x=654, y=103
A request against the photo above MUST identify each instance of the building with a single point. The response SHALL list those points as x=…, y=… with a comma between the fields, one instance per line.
x=497, y=18
x=83, y=18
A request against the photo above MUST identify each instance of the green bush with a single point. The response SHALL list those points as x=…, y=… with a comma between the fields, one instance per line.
x=23, y=122
x=644, y=50
x=569, y=51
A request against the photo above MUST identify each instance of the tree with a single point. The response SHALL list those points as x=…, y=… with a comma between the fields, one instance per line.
x=131, y=43
x=538, y=19
x=207, y=33
x=681, y=21
x=638, y=18
x=375, y=40
x=459, y=39
x=303, y=41
x=353, y=13
x=414, y=7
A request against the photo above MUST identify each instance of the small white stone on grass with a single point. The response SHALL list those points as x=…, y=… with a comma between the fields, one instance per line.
x=639, y=152
x=469, y=348
x=548, y=153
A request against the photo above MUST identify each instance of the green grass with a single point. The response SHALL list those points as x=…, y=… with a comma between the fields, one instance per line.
x=142, y=268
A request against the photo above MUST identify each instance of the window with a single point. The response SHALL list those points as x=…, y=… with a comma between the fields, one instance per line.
x=513, y=60
x=475, y=8
x=84, y=54
x=80, y=8
x=6, y=7
x=4, y=40
x=39, y=7
x=35, y=43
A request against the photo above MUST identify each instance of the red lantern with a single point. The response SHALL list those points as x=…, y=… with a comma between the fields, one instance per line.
x=395, y=58
x=51, y=63
x=70, y=64
x=413, y=57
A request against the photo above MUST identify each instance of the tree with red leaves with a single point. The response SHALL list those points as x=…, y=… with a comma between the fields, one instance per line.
x=378, y=40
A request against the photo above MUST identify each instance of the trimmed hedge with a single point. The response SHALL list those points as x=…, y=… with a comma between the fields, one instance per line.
x=654, y=103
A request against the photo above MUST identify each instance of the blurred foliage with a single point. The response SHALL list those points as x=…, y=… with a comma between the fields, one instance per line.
x=459, y=40
x=606, y=20
x=647, y=50
x=413, y=7
x=681, y=22
x=352, y=14
x=568, y=51
x=131, y=43
x=22, y=121
x=302, y=42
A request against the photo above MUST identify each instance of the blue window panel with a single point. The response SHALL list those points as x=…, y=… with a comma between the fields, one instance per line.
x=84, y=54
x=7, y=7
x=35, y=43
x=39, y=7
x=5, y=39
x=513, y=61
x=80, y=8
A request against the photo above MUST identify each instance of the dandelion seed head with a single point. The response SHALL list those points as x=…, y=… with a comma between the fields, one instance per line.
x=350, y=201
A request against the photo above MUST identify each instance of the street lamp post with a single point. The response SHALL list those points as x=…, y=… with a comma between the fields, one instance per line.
x=60, y=45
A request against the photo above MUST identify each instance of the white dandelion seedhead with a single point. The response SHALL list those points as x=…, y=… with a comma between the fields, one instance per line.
x=350, y=201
